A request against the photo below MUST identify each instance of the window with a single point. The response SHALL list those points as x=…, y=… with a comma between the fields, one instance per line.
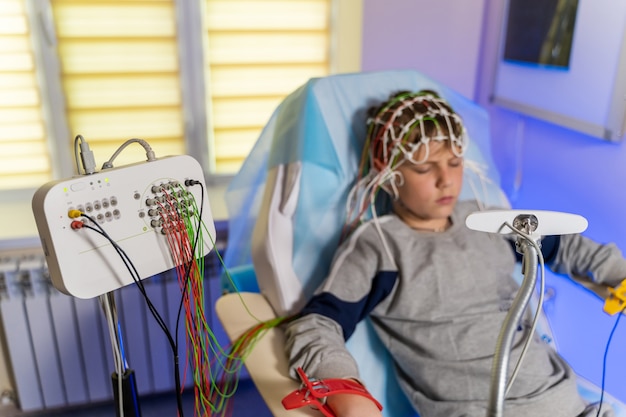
x=120, y=75
x=24, y=157
x=197, y=77
x=258, y=52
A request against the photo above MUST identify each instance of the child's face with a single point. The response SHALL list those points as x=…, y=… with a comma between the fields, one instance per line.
x=430, y=190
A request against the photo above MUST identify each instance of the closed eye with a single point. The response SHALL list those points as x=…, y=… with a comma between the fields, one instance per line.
x=422, y=168
x=455, y=162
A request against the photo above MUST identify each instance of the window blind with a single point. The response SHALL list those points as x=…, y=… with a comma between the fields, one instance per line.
x=120, y=75
x=257, y=52
x=120, y=78
x=24, y=157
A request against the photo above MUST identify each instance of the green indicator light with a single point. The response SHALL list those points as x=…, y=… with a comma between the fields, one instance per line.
x=64, y=189
x=106, y=180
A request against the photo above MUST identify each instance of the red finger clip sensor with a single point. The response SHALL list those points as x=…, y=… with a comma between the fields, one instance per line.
x=314, y=393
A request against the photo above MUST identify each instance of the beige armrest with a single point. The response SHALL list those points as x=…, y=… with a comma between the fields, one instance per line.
x=267, y=363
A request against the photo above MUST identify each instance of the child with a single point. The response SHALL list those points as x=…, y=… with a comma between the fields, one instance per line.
x=437, y=293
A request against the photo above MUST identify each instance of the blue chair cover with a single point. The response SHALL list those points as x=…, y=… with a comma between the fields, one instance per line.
x=322, y=124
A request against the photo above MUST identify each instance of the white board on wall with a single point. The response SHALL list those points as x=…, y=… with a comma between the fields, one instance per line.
x=590, y=95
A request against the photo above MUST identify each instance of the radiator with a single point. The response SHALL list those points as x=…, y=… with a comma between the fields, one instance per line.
x=58, y=347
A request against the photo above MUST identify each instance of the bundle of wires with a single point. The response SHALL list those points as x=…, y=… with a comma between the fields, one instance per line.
x=215, y=369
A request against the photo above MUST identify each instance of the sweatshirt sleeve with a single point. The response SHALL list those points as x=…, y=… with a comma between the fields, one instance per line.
x=315, y=343
x=360, y=277
x=601, y=263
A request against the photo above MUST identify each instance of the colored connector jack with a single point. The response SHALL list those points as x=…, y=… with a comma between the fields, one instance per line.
x=616, y=301
x=73, y=214
x=77, y=224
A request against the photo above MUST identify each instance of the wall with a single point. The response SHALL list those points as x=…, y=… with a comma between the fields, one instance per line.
x=551, y=167
x=543, y=166
x=17, y=226
x=439, y=37
x=546, y=166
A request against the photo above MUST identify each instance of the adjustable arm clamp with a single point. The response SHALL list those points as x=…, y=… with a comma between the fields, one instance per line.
x=314, y=393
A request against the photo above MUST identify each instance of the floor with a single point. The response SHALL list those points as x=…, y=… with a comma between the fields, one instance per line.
x=246, y=403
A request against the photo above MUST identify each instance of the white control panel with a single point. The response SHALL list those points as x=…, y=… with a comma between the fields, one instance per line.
x=128, y=203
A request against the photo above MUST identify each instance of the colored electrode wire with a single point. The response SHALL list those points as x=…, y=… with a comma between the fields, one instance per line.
x=171, y=223
x=190, y=268
x=212, y=387
x=215, y=370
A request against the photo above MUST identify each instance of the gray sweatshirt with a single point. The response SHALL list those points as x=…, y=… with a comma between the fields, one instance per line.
x=438, y=307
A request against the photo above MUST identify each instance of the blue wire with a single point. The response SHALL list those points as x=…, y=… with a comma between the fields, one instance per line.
x=606, y=352
x=121, y=345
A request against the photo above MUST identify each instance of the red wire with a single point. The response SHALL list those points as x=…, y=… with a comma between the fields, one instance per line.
x=197, y=330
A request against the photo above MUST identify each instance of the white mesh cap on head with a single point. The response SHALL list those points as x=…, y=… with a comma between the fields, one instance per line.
x=398, y=129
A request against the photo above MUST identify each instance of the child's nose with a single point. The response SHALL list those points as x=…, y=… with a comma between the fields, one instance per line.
x=445, y=178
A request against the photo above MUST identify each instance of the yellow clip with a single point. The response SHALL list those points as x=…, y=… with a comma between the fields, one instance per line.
x=616, y=301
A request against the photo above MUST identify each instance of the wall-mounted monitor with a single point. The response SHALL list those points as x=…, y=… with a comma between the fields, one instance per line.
x=540, y=32
x=564, y=61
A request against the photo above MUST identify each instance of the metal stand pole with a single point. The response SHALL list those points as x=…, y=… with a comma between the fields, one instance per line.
x=499, y=368
x=124, y=391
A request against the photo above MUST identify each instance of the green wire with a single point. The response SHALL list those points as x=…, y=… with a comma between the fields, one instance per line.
x=224, y=379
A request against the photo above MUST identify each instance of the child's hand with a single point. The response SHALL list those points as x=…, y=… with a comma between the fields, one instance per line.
x=352, y=405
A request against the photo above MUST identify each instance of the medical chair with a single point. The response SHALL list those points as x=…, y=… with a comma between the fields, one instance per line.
x=287, y=206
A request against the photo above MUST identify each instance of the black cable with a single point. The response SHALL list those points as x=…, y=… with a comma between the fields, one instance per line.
x=606, y=352
x=137, y=279
x=135, y=275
